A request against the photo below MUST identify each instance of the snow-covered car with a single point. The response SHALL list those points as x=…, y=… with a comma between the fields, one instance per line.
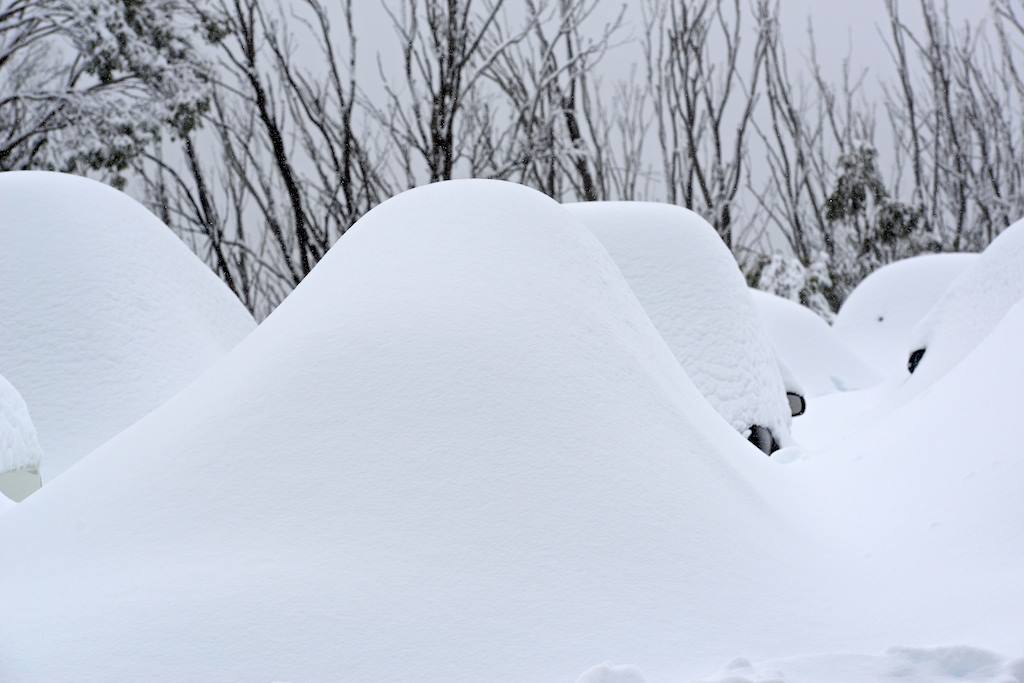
x=106, y=313
x=810, y=349
x=20, y=453
x=695, y=294
x=970, y=308
x=796, y=395
x=878, y=318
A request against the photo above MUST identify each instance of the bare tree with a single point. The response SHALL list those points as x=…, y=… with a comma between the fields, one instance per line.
x=446, y=50
x=289, y=171
x=557, y=127
x=704, y=105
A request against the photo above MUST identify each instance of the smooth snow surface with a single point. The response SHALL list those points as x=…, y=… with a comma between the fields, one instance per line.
x=19, y=445
x=691, y=287
x=810, y=349
x=972, y=306
x=877, y=320
x=459, y=451
x=105, y=313
x=930, y=493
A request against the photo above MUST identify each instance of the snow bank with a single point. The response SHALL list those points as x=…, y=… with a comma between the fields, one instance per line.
x=459, y=451
x=877, y=320
x=972, y=306
x=106, y=314
x=697, y=298
x=810, y=349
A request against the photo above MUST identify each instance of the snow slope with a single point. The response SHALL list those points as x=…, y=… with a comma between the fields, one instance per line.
x=19, y=445
x=459, y=451
x=972, y=306
x=810, y=348
x=696, y=296
x=930, y=493
x=877, y=320
x=106, y=314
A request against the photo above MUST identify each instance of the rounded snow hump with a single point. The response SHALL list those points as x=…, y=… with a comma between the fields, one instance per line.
x=460, y=439
x=810, y=348
x=877, y=319
x=106, y=313
x=692, y=288
x=969, y=309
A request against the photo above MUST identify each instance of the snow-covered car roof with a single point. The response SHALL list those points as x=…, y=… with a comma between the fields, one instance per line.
x=971, y=307
x=460, y=439
x=106, y=313
x=877, y=319
x=693, y=290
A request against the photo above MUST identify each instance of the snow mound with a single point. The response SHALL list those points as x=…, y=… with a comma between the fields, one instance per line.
x=19, y=446
x=810, y=348
x=696, y=296
x=910, y=665
x=459, y=451
x=106, y=313
x=972, y=306
x=877, y=320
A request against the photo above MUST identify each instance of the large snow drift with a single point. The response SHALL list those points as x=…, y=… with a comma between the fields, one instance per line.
x=459, y=451
x=810, y=349
x=696, y=296
x=972, y=306
x=20, y=453
x=105, y=313
x=877, y=320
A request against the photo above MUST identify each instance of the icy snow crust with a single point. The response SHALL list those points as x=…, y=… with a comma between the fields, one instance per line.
x=19, y=446
x=878, y=319
x=459, y=451
x=697, y=298
x=971, y=307
x=810, y=349
x=105, y=313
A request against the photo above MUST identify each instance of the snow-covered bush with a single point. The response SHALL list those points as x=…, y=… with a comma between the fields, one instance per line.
x=787, y=277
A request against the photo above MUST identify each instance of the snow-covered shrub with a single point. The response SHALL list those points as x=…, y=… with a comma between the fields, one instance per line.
x=787, y=277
